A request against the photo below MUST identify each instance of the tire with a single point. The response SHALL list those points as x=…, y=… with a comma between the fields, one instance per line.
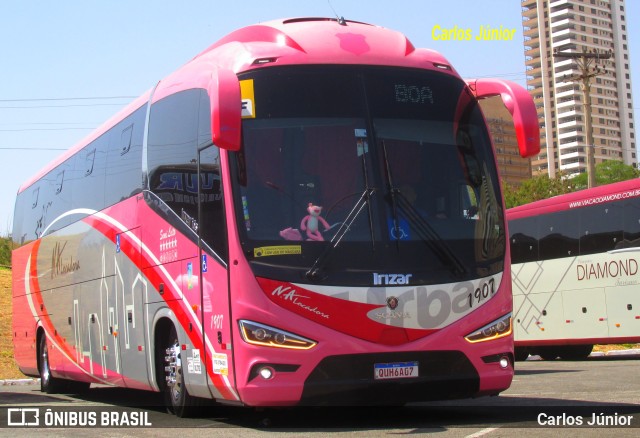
x=54, y=385
x=549, y=353
x=176, y=397
x=48, y=383
x=76, y=387
x=521, y=354
x=576, y=352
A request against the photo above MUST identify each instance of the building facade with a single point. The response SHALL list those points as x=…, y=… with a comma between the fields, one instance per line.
x=571, y=26
x=513, y=169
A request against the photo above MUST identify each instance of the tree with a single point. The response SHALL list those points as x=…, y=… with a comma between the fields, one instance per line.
x=534, y=189
x=542, y=187
x=5, y=251
x=607, y=172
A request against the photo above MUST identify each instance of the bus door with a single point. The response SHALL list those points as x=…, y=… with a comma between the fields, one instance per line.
x=215, y=304
x=126, y=313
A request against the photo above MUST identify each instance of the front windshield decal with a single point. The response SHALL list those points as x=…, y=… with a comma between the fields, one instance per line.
x=248, y=99
x=245, y=213
x=267, y=251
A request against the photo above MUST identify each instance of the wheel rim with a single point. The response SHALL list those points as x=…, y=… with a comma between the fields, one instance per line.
x=174, y=372
x=45, y=372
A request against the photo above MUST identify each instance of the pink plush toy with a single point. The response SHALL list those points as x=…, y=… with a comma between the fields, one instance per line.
x=310, y=222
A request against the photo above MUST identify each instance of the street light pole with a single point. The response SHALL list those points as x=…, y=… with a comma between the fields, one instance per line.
x=587, y=71
x=591, y=160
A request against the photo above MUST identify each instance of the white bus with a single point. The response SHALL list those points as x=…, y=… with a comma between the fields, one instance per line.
x=576, y=271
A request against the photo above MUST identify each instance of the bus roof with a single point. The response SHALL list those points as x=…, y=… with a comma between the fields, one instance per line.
x=294, y=41
x=583, y=198
x=319, y=41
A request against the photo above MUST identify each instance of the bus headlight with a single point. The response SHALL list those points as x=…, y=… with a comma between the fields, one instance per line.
x=266, y=336
x=494, y=330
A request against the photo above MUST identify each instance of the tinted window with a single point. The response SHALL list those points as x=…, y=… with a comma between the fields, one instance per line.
x=178, y=125
x=632, y=222
x=559, y=234
x=20, y=220
x=124, y=158
x=44, y=202
x=58, y=187
x=601, y=228
x=172, y=155
x=104, y=172
x=524, y=240
x=90, y=174
x=212, y=219
x=31, y=207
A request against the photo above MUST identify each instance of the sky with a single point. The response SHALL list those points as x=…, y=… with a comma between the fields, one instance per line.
x=66, y=66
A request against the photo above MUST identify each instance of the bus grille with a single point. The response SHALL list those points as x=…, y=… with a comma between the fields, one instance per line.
x=349, y=379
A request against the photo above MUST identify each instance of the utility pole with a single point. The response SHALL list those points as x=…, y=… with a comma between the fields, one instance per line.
x=589, y=68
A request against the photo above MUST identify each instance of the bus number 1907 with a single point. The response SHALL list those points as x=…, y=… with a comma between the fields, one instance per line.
x=482, y=293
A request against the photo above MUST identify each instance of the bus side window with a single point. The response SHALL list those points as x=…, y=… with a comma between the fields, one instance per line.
x=559, y=234
x=19, y=217
x=211, y=198
x=601, y=228
x=213, y=231
x=90, y=158
x=179, y=125
x=124, y=158
x=24, y=217
x=523, y=240
x=57, y=197
x=89, y=175
x=125, y=139
x=172, y=153
x=34, y=197
x=59, y=181
x=632, y=223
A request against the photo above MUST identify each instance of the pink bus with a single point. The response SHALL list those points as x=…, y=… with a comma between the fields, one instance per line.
x=306, y=213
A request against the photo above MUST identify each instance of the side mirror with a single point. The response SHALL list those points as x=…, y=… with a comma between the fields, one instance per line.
x=226, y=105
x=520, y=104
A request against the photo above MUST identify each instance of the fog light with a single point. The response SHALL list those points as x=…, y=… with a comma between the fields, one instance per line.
x=504, y=362
x=266, y=373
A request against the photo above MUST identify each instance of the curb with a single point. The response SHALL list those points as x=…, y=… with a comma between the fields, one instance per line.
x=629, y=352
x=622, y=352
x=19, y=382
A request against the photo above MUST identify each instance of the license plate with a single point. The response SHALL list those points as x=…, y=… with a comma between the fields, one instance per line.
x=395, y=370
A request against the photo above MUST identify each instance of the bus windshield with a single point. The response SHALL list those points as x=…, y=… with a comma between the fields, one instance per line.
x=347, y=172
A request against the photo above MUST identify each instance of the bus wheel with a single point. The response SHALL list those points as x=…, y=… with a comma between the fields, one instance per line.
x=521, y=354
x=549, y=353
x=576, y=352
x=177, y=398
x=48, y=383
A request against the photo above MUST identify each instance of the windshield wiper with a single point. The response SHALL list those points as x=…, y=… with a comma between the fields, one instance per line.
x=429, y=236
x=315, y=272
x=392, y=190
x=426, y=232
